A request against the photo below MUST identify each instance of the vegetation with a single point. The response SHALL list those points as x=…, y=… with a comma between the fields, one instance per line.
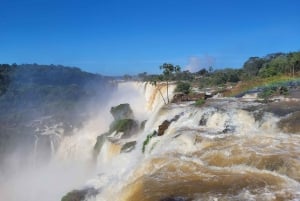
x=124, y=125
x=272, y=65
x=200, y=102
x=183, y=87
x=29, y=92
x=168, y=73
x=256, y=70
x=147, y=140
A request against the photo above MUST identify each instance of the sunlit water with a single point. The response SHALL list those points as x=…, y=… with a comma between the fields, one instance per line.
x=220, y=151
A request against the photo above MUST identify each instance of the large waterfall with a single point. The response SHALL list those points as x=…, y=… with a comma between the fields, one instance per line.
x=222, y=151
x=227, y=149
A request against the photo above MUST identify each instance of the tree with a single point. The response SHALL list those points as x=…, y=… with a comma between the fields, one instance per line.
x=168, y=71
x=154, y=83
x=253, y=65
x=294, y=62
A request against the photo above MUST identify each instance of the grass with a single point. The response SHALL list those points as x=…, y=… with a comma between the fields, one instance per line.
x=199, y=102
x=147, y=140
x=260, y=82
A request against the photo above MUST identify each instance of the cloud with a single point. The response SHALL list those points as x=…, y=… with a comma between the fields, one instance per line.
x=196, y=63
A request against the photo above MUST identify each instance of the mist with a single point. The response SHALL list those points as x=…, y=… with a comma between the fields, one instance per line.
x=56, y=157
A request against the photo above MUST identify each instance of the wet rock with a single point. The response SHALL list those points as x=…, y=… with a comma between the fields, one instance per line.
x=290, y=124
x=163, y=127
x=122, y=111
x=228, y=129
x=175, y=199
x=204, y=119
x=99, y=143
x=142, y=126
x=128, y=147
x=79, y=195
x=181, y=97
x=126, y=126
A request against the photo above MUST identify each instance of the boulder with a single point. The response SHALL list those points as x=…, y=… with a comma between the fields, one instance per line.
x=126, y=126
x=99, y=143
x=164, y=126
x=79, y=195
x=128, y=147
x=177, y=198
x=142, y=127
x=122, y=111
x=290, y=124
x=181, y=97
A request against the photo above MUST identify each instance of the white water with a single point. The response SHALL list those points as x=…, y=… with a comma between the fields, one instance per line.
x=71, y=164
x=233, y=165
x=251, y=160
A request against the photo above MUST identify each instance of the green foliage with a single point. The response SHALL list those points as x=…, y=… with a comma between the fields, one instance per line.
x=184, y=76
x=278, y=88
x=272, y=65
x=183, y=87
x=147, y=140
x=168, y=74
x=121, y=111
x=200, y=102
x=169, y=70
x=252, y=66
x=75, y=195
x=123, y=125
x=29, y=92
x=267, y=92
x=220, y=77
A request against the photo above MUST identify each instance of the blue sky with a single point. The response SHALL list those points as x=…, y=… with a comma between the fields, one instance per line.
x=131, y=36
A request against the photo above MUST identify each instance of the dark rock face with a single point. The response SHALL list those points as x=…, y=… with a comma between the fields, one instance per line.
x=181, y=97
x=127, y=126
x=123, y=123
x=175, y=199
x=128, y=147
x=122, y=111
x=100, y=141
x=142, y=127
x=228, y=129
x=291, y=123
x=79, y=195
x=165, y=124
x=163, y=127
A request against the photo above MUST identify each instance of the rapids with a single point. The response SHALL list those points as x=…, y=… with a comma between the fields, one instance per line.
x=227, y=149
x=223, y=150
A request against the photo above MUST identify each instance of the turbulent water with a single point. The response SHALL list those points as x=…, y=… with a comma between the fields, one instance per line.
x=221, y=151
x=224, y=150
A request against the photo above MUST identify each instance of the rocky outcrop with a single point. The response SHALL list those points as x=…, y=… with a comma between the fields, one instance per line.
x=165, y=124
x=99, y=143
x=125, y=126
x=142, y=126
x=128, y=147
x=79, y=195
x=290, y=124
x=122, y=111
x=177, y=198
x=181, y=97
x=163, y=127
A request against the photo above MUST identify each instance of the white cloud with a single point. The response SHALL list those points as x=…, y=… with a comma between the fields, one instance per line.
x=196, y=63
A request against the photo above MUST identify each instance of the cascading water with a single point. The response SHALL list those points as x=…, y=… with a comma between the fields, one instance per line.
x=224, y=150
x=221, y=151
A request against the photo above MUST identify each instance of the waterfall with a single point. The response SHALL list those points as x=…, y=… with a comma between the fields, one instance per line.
x=228, y=149
x=223, y=150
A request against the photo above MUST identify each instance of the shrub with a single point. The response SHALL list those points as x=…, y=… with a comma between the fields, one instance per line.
x=183, y=87
x=200, y=102
x=147, y=140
